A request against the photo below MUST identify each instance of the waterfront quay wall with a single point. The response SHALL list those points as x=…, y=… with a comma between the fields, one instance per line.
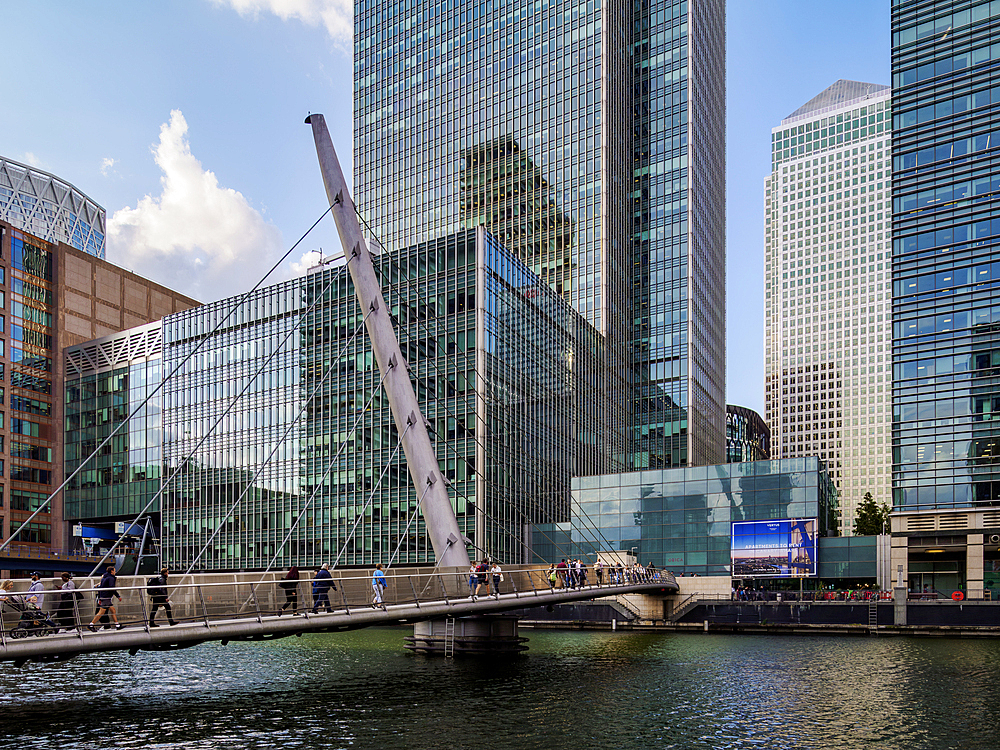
x=934, y=614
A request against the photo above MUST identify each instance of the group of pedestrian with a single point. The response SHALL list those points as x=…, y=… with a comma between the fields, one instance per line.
x=322, y=584
x=485, y=573
x=573, y=573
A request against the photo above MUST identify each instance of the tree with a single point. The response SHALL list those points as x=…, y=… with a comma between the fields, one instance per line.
x=870, y=518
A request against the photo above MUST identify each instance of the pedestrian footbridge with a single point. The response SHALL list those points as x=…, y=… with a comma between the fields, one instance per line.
x=245, y=607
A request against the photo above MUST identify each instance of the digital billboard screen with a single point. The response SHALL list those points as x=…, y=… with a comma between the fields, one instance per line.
x=774, y=549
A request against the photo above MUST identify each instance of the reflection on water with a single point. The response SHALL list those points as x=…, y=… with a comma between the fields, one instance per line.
x=571, y=690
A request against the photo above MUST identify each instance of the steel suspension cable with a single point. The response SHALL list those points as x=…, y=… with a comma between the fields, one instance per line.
x=416, y=511
x=162, y=383
x=305, y=404
x=437, y=400
x=250, y=380
x=319, y=484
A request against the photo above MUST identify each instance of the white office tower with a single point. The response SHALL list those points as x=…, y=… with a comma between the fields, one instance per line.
x=828, y=293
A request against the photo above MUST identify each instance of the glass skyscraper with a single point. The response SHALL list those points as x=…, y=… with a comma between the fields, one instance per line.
x=946, y=257
x=828, y=288
x=589, y=139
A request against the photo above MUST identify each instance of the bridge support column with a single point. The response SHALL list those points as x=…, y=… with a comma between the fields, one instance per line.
x=482, y=635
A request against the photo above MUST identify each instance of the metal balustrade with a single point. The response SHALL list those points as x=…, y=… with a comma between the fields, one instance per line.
x=206, y=602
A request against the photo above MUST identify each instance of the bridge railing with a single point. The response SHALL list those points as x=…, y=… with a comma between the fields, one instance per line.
x=206, y=598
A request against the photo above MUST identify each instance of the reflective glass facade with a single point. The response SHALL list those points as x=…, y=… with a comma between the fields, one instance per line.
x=100, y=393
x=196, y=502
x=50, y=208
x=510, y=378
x=748, y=438
x=563, y=128
x=828, y=288
x=677, y=304
x=26, y=366
x=681, y=519
x=946, y=262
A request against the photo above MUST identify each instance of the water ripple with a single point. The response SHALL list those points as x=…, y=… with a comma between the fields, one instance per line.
x=573, y=690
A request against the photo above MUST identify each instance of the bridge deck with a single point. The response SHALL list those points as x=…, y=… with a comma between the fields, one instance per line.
x=223, y=612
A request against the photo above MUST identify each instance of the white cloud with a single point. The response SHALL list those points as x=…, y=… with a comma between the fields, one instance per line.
x=335, y=15
x=307, y=261
x=106, y=164
x=197, y=237
x=31, y=160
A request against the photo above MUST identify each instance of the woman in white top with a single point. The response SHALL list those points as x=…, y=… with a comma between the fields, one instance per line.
x=496, y=573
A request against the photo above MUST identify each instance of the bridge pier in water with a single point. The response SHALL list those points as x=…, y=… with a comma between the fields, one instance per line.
x=481, y=635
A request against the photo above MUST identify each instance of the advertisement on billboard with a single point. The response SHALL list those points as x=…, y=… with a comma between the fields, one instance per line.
x=774, y=549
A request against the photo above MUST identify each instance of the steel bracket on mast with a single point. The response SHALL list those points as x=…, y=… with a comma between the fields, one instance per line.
x=421, y=458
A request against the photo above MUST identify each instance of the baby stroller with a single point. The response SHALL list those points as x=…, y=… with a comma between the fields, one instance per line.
x=32, y=620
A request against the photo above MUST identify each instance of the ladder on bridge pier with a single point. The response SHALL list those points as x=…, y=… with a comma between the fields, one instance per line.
x=449, y=638
x=873, y=614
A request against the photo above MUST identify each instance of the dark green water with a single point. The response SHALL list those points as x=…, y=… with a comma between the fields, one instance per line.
x=572, y=690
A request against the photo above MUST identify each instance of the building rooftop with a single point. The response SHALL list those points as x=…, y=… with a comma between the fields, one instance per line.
x=837, y=95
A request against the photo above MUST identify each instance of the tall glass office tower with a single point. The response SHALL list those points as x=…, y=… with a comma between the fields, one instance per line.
x=589, y=138
x=828, y=288
x=946, y=257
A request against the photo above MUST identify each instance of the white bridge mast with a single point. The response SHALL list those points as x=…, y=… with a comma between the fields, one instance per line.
x=421, y=459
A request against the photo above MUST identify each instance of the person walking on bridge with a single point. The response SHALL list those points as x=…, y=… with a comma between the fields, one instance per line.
x=36, y=591
x=322, y=584
x=157, y=588
x=106, y=593
x=67, y=601
x=290, y=585
x=599, y=571
x=378, y=587
x=496, y=573
x=481, y=572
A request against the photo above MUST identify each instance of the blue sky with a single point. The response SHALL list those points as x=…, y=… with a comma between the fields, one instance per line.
x=184, y=120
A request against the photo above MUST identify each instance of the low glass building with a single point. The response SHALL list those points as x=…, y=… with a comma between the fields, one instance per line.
x=683, y=519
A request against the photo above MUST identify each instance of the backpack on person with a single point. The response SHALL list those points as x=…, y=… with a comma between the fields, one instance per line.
x=154, y=586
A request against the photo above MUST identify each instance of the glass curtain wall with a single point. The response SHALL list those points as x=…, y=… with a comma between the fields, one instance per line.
x=119, y=482
x=31, y=432
x=946, y=263
x=677, y=308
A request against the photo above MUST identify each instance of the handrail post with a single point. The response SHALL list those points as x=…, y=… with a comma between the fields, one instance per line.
x=142, y=605
x=416, y=600
x=443, y=590
x=533, y=586
x=343, y=597
x=204, y=604
x=76, y=614
x=513, y=585
x=256, y=602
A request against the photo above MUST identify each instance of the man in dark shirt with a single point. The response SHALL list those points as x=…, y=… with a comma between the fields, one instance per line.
x=105, y=599
x=158, y=592
x=321, y=588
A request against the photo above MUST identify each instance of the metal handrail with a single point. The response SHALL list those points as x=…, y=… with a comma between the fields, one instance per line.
x=207, y=601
